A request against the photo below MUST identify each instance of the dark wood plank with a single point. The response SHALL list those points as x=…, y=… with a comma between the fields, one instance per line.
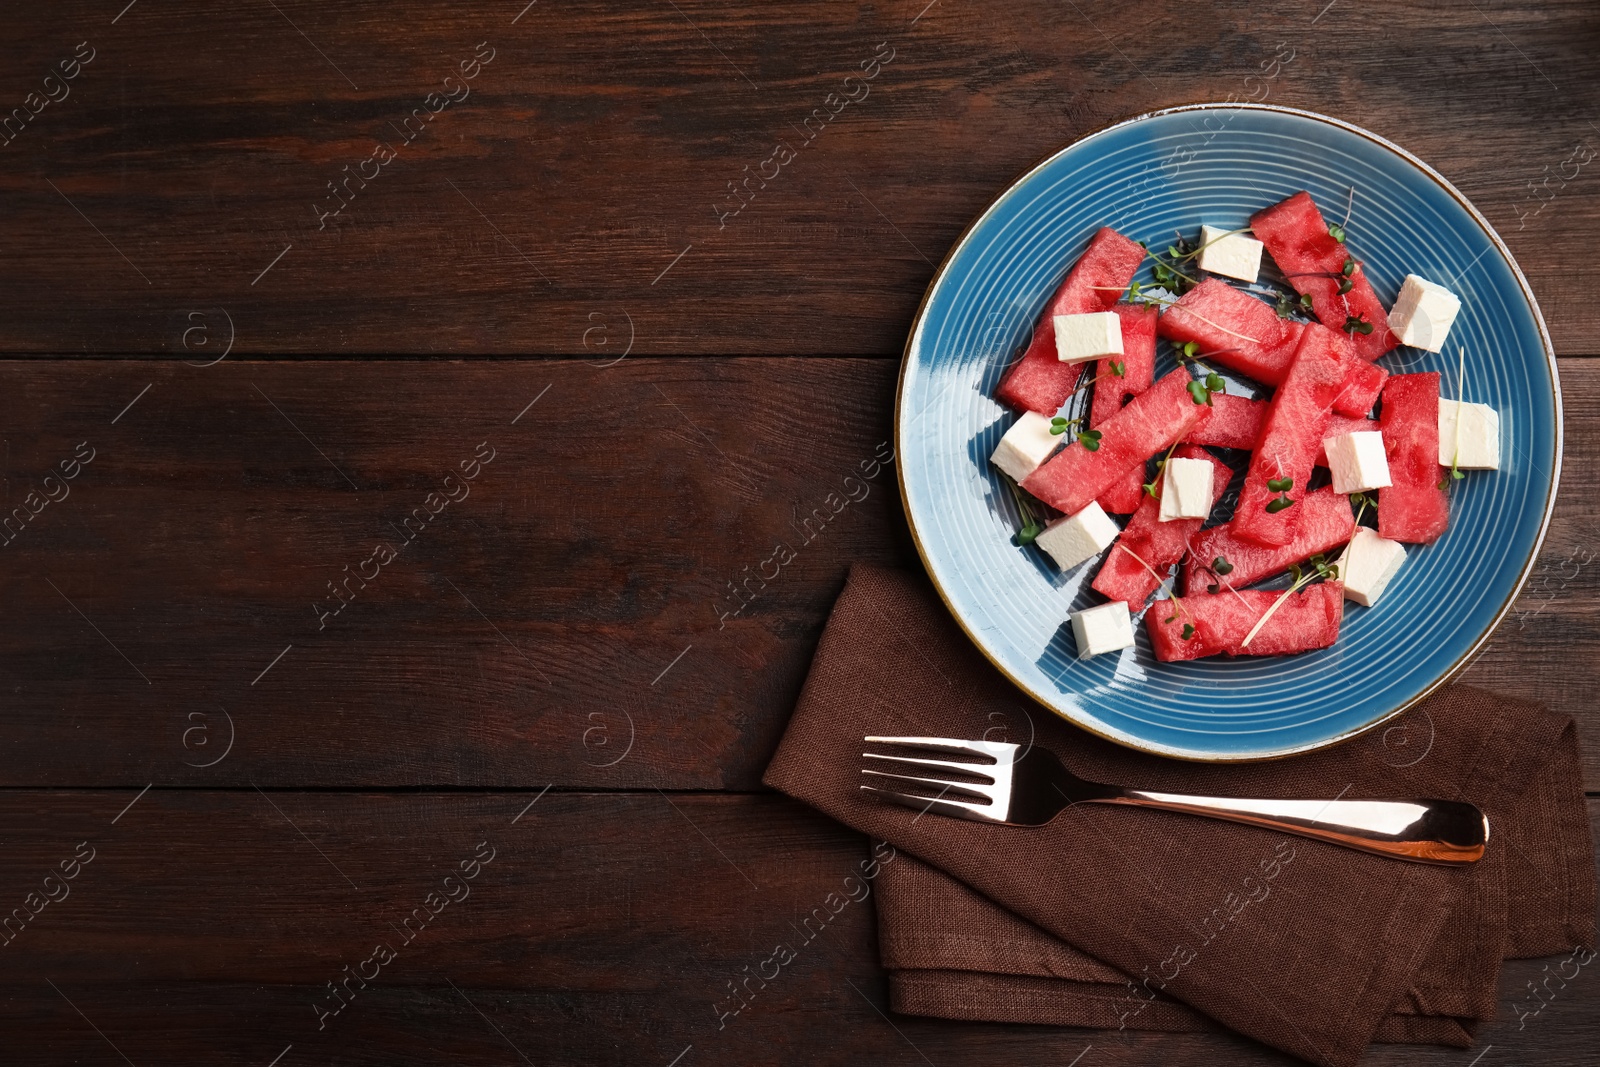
x=605, y=930
x=580, y=586
x=594, y=148
x=577, y=598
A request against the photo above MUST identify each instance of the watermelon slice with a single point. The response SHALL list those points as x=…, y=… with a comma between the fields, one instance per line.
x=1306, y=620
x=1290, y=439
x=1138, y=361
x=1159, y=544
x=1245, y=334
x=1111, y=392
x=1039, y=381
x=1296, y=236
x=1234, y=329
x=1149, y=424
x=1235, y=422
x=1414, y=508
x=1325, y=523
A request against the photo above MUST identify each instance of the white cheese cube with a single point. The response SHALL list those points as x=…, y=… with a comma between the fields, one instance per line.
x=1103, y=628
x=1469, y=435
x=1185, y=489
x=1423, y=313
x=1230, y=254
x=1357, y=461
x=1095, y=335
x=1072, y=540
x=1025, y=446
x=1366, y=566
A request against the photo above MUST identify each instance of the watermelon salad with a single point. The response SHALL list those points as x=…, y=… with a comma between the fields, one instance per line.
x=1338, y=464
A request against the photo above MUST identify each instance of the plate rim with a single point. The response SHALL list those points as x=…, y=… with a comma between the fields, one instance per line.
x=1552, y=491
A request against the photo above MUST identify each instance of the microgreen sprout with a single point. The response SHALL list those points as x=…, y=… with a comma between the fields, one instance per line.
x=1280, y=485
x=1188, y=631
x=1059, y=424
x=1090, y=439
x=1349, y=267
x=1032, y=526
x=1320, y=568
x=1201, y=389
x=1362, y=502
x=1337, y=230
x=1221, y=568
x=1161, y=465
x=1166, y=270
x=1119, y=368
x=1288, y=303
x=1354, y=324
x=1455, y=456
x=1278, y=503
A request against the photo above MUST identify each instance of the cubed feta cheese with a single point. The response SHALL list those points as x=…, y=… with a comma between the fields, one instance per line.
x=1185, y=489
x=1103, y=628
x=1025, y=446
x=1479, y=442
x=1093, y=335
x=1357, y=461
x=1423, y=313
x=1072, y=540
x=1369, y=561
x=1231, y=254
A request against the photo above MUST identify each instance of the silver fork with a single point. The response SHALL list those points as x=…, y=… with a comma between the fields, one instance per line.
x=1029, y=787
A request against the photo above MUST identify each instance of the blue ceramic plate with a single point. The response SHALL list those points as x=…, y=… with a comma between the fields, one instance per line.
x=1146, y=178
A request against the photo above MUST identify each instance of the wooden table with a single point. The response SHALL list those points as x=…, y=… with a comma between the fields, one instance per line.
x=480, y=295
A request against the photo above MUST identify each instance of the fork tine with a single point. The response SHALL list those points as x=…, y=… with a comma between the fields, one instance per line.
x=959, y=808
x=974, y=769
x=966, y=789
x=989, y=750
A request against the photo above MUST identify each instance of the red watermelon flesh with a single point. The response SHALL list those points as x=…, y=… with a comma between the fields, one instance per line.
x=1235, y=422
x=1233, y=329
x=1306, y=620
x=1127, y=495
x=1291, y=437
x=1138, y=363
x=1039, y=381
x=1326, y=523
x=1159, y=544
x=1111, y=392
x=1150, y=423
x=1242, y=333
x=1343, y=424
x=1297, y=238
x=1414, y=508
x=1363, y=382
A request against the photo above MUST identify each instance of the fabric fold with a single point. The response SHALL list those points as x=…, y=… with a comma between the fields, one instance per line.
x=1145, y=919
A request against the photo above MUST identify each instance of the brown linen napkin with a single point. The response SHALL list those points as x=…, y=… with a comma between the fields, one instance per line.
x=1117, y=916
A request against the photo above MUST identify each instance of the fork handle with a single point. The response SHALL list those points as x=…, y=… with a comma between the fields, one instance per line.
x=1424, y=831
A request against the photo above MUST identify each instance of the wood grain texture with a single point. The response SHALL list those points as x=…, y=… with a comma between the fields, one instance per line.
x=574, y=610
x=605, y=930
x=567, y=621
x=581, y=586
x=594, y=148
